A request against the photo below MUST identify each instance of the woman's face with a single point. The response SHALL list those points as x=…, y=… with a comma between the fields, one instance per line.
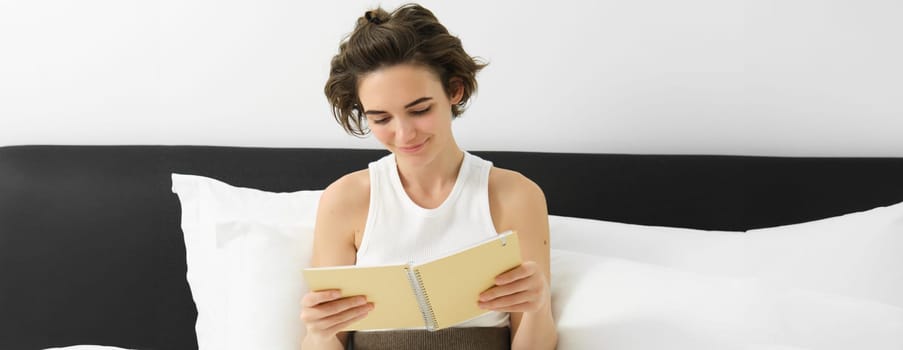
x=408, y=111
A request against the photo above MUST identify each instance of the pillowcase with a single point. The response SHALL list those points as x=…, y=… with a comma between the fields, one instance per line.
x=715, y=252
x=857, y=255
x=264, y=283
x=833, y=283
x=611, y=303
x=245, y=249
x=817, y=320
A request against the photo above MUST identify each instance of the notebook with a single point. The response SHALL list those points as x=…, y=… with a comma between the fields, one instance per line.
x=434, y=294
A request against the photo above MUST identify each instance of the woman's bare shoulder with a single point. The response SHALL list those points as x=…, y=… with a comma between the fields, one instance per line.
x=348, y=190
x=341, y=216
x=345, y=199
x=512, y=198
x=512, y=185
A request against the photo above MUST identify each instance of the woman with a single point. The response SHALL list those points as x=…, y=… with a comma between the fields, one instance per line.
x=404, y=78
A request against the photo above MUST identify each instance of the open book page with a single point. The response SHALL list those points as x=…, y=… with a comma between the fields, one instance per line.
x=449, y=285
x=387, y=287
x=454, y=282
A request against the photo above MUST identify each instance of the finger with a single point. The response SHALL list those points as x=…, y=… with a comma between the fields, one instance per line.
x=319, y=297
x=340, y=327
x=508, y=300
x=506, y=289
x=522, y=307
x=330, y=321
x=523, y=271
x=329, y=308
x=345, y=318
x=337, y=306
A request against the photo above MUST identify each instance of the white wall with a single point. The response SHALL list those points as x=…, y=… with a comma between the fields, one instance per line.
x=793, y=77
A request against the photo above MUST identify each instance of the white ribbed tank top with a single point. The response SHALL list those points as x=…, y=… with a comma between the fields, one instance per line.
x=398, y=230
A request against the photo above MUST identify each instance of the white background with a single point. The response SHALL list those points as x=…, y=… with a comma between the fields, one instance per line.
x=755, y=77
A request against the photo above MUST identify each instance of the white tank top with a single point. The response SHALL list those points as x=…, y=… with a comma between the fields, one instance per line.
x=398, y=230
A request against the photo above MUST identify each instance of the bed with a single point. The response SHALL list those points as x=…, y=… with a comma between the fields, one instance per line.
x=92, y=249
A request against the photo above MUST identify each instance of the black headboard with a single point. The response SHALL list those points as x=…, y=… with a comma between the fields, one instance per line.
x=91, y=251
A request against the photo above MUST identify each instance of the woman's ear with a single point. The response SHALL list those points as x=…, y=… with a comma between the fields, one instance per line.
x=456, y=90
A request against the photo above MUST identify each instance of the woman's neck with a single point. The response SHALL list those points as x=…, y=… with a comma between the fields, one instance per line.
x=433, y=178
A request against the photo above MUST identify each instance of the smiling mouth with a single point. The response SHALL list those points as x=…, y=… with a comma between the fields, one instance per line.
x=413, y=148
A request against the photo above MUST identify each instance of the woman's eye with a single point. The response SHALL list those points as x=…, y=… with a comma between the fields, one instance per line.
x=381, y=121
x=422, y=111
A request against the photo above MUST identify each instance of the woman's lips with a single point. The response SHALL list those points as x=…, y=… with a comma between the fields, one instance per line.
x=412, y=149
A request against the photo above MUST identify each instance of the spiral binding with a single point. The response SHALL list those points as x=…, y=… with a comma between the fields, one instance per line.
x=423, y=300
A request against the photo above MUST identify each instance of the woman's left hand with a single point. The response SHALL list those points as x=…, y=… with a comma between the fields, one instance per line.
x=521, y=289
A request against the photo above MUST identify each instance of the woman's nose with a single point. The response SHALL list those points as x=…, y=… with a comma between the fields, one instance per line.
x=405, y=131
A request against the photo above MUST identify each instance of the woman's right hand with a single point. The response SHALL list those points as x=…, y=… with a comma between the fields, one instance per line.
x=326, y=313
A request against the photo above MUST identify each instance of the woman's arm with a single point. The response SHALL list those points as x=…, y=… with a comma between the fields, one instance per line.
x=340, y=214
x=519, y=204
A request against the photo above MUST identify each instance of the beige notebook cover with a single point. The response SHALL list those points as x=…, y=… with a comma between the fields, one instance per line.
x=435, y=294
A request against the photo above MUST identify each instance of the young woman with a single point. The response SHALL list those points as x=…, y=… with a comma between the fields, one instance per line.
x=404, y=78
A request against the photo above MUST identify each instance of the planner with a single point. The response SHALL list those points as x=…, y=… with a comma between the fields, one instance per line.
x=433, y=294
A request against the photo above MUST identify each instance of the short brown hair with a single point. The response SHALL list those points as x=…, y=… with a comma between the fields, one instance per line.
x=411, y=34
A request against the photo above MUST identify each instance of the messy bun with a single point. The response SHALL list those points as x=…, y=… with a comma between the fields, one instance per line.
x=378, y=16
x=411, y=34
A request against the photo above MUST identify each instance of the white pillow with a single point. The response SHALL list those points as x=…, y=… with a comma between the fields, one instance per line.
x=825, y=284
x=818, y=320
x=264, y=283
x=612, y=303
x=717, y=252
x=858, y=255
x=244, y=250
